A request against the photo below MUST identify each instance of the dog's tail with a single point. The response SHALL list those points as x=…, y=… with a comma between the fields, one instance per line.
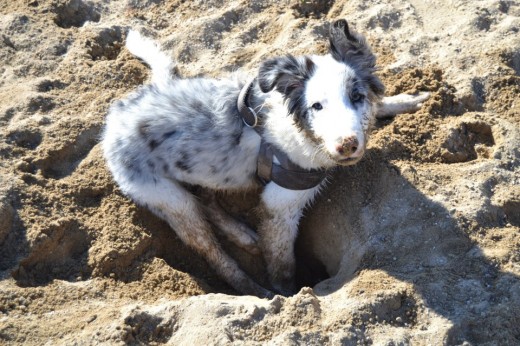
x=148, y=51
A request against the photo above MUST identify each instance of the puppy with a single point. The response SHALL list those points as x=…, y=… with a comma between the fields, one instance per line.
x=284, y=129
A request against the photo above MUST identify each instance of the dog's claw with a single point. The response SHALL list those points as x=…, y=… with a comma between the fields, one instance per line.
x=423, y=96
x=252, y=248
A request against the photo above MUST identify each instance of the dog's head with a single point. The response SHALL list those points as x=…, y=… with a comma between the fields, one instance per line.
x=331, y=98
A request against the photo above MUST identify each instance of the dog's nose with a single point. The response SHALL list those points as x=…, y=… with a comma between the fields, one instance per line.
x=349, y=146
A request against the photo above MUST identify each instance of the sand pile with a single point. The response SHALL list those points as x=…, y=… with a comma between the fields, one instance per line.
x=417, y=244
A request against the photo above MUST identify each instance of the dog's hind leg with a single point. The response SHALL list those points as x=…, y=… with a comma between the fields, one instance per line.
x=235, y=231
x=179, y=208
x=402, y=103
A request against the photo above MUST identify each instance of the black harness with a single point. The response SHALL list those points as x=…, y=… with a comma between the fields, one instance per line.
x=285, y=173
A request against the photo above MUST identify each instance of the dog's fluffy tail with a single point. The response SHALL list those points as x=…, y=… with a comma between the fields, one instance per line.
x=148, y=51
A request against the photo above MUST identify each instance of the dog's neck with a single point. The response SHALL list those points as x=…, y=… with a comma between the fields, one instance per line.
x=278, y=161
x=277, y=127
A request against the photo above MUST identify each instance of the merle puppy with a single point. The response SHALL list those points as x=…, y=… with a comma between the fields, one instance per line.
x=299, y=117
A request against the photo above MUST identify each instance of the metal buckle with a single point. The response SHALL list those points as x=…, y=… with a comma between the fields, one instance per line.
x=254, y=116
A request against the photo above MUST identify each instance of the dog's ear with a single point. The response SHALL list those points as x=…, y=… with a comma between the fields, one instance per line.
x=349, y=47
x=375, y=85
x=285, y=74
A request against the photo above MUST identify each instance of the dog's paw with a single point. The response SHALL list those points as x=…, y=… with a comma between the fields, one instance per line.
x=250, y=243
x=242, y=236
x=285, y=287
x=402, y=103
x=419, y=99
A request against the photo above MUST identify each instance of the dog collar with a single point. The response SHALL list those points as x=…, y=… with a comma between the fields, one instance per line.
x=249, y=116
x=286, y=173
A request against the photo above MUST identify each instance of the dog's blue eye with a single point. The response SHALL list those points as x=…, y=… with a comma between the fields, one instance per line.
x=317, y=106
x=356, y=97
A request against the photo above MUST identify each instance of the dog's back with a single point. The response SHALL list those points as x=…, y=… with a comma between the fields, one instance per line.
x=184, y=129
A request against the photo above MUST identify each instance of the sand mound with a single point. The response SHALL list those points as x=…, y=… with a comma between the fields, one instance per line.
x=419, y=243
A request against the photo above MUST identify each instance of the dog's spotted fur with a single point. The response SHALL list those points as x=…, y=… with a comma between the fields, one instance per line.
x=177, y=132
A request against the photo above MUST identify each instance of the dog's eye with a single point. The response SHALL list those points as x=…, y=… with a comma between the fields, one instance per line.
x=317, y=106
x=356, y=96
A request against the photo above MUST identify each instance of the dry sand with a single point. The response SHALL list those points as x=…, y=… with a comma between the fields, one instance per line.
x=417, y=244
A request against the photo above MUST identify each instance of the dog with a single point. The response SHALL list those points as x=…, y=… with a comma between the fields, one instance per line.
x=284, y=129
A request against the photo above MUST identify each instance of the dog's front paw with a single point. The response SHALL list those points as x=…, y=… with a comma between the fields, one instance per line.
x=284, y=284
x=402, y=103
x=285, y=290
x=418, y=100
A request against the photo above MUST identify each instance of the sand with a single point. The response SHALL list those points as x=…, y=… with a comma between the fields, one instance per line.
x=417, y=244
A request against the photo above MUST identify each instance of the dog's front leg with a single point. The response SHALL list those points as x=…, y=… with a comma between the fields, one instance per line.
x=281, y=210
x=402, y=103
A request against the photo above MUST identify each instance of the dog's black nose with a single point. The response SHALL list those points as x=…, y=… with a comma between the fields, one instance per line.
x=348, y=146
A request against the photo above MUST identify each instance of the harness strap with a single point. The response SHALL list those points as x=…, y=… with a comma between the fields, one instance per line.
x=264, y=163
x=286, y=174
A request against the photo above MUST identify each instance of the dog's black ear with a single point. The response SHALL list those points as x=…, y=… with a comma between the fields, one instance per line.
x=340, y=38
x=349, y=47
x=285, y=74
x=375, y=85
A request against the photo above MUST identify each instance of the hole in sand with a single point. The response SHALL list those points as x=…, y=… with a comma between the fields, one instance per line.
x=467, y=142
x=40, y=104
x=512, y=211
x=62, y=162
x=74, y=13
x=313, y=9
x=512, y=60
x=106, y=45
x=49, y=85
x=309, y=269
x=29, y=139
x=146, y=328
x=59, y=253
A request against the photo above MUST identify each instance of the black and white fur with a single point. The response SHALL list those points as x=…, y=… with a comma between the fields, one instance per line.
x=175, y=133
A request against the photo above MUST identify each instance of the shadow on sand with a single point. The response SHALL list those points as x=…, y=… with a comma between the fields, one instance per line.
x=377, y=219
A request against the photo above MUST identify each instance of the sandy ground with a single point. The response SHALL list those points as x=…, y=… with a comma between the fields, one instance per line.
x=417, y=244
